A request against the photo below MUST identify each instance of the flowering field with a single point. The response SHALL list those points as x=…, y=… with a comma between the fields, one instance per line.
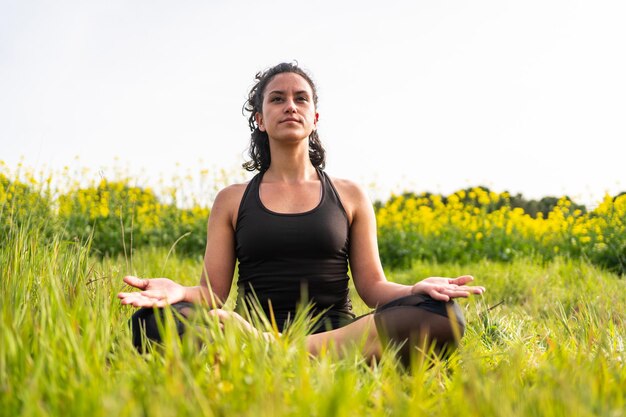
x=115, y=216
x=469, y=225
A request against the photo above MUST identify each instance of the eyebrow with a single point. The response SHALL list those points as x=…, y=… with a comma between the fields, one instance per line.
x=281, y=92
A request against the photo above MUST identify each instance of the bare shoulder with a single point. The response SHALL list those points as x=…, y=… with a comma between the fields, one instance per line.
x=227, y=201
x=230, y=194
x=348, y=188
x=353, y=196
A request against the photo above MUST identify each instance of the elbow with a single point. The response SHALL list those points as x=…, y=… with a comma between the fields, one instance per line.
x=367, y=295
x=376, y=293
x=213, y=297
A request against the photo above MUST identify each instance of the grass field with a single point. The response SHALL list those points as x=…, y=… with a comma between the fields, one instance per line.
x=546, y=339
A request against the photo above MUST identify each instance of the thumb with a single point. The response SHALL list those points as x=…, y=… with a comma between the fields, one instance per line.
x=462, y=280
x=136, y=282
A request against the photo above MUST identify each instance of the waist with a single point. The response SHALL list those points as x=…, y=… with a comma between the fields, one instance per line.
x=281, y=295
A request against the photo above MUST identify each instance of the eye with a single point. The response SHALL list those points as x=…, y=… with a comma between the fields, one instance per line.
x=275, y=99
x=302, y=98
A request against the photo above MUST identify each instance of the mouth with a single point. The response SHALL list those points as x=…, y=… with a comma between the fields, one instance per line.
x=290, y=119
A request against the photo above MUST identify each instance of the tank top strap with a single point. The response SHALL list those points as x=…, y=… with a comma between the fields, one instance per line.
x=330, y=196
x=252, y=190
x=330, y=192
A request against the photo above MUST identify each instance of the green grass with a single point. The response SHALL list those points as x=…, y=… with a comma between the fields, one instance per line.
x=553, y=347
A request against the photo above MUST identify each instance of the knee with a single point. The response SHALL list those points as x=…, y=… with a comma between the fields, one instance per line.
x=443, y=327
x=145, y=324
x=456, y=318
x=444, y=318
x=144, y=327
x=422, y=326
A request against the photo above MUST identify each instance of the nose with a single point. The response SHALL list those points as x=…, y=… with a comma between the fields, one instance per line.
x=290, y=106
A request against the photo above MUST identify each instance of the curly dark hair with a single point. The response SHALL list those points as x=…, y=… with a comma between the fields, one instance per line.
x=259, y=150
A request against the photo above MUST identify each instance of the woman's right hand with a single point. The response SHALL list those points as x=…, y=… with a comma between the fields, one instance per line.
x=156, y=292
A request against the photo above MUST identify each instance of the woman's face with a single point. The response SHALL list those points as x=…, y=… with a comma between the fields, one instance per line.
x=288, y=108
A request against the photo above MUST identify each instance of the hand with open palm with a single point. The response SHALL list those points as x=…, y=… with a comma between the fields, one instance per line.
x=156, y=292
x=444, y=289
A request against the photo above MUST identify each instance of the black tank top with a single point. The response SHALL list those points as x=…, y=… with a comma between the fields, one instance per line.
x=285, y=259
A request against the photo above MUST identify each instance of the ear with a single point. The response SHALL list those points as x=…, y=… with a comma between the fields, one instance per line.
x=317, y=118
x=259, y=121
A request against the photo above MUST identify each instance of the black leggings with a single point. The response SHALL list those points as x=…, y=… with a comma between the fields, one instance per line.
x=144, y=323
x=408, y=323
x=417, y=322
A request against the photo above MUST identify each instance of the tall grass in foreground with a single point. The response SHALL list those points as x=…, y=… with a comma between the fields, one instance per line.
x=544, y=340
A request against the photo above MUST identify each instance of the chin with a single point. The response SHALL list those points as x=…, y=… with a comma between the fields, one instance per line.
x=293, y=138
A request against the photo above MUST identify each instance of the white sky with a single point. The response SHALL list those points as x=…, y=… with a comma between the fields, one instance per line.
x=524, y=96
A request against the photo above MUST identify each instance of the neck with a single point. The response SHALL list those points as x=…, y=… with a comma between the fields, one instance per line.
x=291, y=164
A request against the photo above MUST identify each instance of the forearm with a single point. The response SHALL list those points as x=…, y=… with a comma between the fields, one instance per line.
x=384, y=291
x=200, y=294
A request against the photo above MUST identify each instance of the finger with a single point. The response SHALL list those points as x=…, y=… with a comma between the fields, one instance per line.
x=136, y=299
x=135, y=302
x=128, y=297
x=136, y=282
x=477, y=290
x=147, y=302
x=457, y=293
x=438, y=294
x=462, y=280
x=470, y=288
x=448, y=292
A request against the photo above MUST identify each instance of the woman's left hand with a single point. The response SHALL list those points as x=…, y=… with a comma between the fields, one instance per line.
x=444, y=289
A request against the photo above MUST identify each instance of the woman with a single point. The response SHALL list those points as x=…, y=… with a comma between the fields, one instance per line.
x=294, y=230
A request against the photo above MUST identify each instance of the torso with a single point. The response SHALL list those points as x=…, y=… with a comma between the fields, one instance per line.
x=293, y=241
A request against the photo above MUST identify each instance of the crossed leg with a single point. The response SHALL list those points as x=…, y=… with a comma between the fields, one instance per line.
x=408, y=323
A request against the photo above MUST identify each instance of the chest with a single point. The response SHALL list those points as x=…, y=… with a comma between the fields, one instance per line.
x=290, y=198
x=316, y=229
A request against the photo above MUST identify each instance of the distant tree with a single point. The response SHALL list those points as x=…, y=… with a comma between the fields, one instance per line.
x=532, y=207
x=544, y=206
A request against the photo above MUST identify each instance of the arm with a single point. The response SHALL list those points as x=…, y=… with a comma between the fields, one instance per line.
x=218, y=268
x=367, y=272
x=219, y=256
